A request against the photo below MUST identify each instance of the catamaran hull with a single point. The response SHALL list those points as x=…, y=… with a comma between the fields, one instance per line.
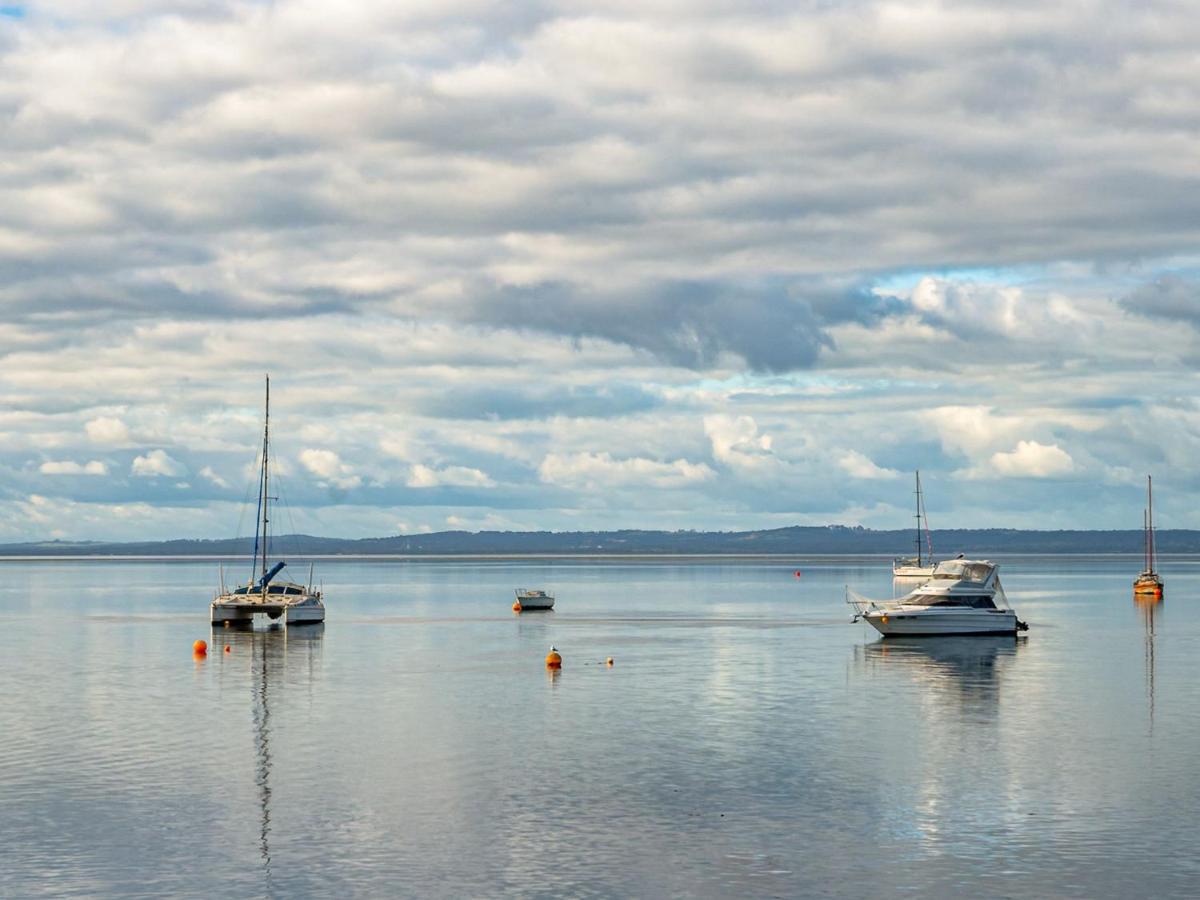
x=305, y=615
x=234, y=613
x=242, y=612
x=915, y=624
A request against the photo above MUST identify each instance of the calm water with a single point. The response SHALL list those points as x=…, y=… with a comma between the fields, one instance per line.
x=749, y=741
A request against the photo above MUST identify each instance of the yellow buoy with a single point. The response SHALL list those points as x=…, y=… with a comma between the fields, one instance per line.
x=553, y=659
x=883, y=619
x=200, y=647
x=517, y=606
x=608, y=662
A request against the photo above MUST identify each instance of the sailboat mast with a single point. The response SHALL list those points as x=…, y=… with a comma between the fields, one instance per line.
x=918, y=518
x=1150, y=523
x=1145, y=542
x=265, y=477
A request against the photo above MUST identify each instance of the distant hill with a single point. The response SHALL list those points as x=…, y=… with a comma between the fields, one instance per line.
x=797, y=540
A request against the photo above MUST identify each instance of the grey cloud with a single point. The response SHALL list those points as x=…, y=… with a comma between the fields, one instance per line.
x=688, y=324
x=1172, y=297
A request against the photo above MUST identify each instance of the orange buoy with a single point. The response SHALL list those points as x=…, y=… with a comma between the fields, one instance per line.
x=553, y=659
x=200, y=647
x=227, y=648
x=517, y=606
x=608, y=662
x=797, y=573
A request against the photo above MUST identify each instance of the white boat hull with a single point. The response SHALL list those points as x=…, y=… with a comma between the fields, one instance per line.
x=242, y=610
x=307, y=614
x=899, y=571
x=949, y=621
x=536, y=603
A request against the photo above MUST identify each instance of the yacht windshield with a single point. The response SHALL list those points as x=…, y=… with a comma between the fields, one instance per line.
x=960, y=570
x=974, y=601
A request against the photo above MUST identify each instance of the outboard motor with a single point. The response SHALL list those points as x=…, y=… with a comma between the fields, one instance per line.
x=266, y=579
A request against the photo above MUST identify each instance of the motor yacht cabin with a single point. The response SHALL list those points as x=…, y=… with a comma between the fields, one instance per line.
x=963, y=597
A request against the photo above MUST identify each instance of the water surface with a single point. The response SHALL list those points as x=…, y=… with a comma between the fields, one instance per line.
x=748, y=741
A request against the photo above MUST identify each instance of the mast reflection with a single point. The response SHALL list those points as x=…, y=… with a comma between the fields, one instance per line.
x=271, y=652
x=1150, y=608
x=262, y=747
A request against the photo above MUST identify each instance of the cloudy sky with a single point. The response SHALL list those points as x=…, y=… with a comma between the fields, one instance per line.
x=691, y=264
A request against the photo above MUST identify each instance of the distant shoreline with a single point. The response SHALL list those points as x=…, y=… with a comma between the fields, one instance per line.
x=781, y=559
x=796, y=541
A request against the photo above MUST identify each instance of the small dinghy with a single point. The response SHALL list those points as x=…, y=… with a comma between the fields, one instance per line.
x=528, y=598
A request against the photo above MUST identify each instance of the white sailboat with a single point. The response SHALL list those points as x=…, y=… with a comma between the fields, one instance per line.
x=915, y=566
x=297, y=604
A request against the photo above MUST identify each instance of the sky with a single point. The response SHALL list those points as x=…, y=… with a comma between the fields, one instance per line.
x=562, y=265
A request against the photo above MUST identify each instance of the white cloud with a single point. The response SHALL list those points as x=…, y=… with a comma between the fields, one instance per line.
x=396, y=445
x=600, y=470
x=69, y=467
x=157, y=463
x=1032, y=460
x=107, y=430
x=858, y=465
x=329, y=468
x=1029, y=459
x=208, y=473
x=421, y=476
x=736, y=442
x=970, y=429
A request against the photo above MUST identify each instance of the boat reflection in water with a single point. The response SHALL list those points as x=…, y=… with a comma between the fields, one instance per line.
x=966, y=669
x=278, y=659
x=1150, y=608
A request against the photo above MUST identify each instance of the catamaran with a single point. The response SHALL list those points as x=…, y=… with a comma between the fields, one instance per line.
x=964, y=596
x=297, y=604
x=1149, y=583
x=915, y=566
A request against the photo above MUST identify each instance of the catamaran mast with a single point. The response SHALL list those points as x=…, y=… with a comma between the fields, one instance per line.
x=265, y=483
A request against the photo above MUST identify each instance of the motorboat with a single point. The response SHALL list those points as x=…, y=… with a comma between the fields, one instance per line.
x=917, y=566
x=296, y=604
x=1149, y=583
x=964, y=596
x=530, y=598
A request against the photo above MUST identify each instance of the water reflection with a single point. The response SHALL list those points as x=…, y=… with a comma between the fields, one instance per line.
x=270, y=653
x=1150, y=609
x=967, y=669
